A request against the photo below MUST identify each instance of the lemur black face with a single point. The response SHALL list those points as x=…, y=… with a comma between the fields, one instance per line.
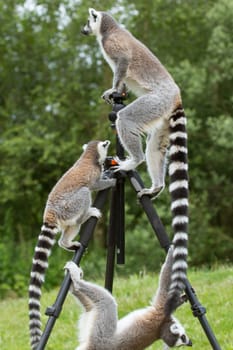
x=102, y=150
x=93, y=23
x=173, y=334
x=106, y=144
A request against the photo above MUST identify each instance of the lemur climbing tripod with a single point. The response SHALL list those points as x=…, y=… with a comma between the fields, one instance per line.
x=116, y=237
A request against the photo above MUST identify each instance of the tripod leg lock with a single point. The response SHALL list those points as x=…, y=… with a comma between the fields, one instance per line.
x=53, y=311
x=198, y=310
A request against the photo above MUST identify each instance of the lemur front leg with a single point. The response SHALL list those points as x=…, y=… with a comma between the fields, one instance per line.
x=76, y=273
x=103, y=184
x=118, y=80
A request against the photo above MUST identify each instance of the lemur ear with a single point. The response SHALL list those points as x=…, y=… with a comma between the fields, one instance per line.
x=84, y=147
x=93, y=13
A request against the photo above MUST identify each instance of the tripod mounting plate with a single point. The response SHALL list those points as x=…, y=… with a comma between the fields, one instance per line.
x=119, y=97
x=110, y=162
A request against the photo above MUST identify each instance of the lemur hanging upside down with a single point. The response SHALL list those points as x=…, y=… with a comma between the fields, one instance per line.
x=68, y=206
x=100, y=329
x=157, y=112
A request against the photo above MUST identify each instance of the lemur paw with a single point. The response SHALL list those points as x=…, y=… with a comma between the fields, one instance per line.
x=107, y=95
x=112, y=182
x=76, y=273
x=151, y=192
x=95, y=212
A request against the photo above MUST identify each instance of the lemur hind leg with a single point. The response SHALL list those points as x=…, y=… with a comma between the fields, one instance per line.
x=133, y=121
x=156, y=152
x=71, y=231
x=66, y=240
x=129, y=135
x=78, y=214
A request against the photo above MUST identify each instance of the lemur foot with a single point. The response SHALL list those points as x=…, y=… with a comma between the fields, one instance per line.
x=76, y=273
x=151, y=192
x=94, y=212
x=126, y=165
x=71, y=246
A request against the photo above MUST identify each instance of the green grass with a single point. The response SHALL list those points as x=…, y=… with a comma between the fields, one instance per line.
x=214, y=289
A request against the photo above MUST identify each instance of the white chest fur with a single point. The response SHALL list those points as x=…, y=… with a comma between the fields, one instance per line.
x=106, y=56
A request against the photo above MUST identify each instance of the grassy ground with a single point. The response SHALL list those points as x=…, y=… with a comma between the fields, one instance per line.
x=214, y=289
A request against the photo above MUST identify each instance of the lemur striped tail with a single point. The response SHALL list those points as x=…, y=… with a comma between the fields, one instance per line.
x=178, y=172
x=45, y=243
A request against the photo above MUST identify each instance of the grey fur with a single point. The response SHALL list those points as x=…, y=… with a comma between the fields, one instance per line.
x=100, y=329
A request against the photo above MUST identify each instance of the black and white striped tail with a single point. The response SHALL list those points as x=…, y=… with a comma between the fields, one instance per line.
x=45, y=243
x=178, y=172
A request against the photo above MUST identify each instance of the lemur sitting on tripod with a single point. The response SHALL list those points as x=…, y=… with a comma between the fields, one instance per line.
x=100, y=329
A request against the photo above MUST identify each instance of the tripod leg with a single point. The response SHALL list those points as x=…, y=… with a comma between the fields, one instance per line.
x=148, y=207
x=111, y=244
x=85, y=236
x=116, y=233
x=120, y=210
x=198, y=310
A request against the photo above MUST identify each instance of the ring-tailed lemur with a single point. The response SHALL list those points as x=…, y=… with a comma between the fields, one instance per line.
x=68, y=206
x=157, y=112
x=100, y=329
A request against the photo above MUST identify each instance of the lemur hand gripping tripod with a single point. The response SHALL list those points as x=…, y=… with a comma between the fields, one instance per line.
x=116, y=237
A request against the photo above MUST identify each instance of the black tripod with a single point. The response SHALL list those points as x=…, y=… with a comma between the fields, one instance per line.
x=116, y=239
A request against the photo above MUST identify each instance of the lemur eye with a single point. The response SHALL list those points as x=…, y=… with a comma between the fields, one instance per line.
x=183, y=338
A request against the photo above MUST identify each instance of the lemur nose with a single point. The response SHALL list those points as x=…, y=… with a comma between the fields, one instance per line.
x=84, y=30
x=190, y=343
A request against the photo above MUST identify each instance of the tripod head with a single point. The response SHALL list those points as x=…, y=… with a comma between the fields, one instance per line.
x=117, y=104
x=119, y=97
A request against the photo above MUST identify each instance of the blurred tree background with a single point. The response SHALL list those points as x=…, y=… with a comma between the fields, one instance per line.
x=51, y=80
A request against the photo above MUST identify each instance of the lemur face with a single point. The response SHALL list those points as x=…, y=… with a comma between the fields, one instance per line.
x=103, y=150
x=174, y=335
x=93, y=23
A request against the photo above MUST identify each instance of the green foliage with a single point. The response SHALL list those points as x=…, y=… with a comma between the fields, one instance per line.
x=51, y=80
